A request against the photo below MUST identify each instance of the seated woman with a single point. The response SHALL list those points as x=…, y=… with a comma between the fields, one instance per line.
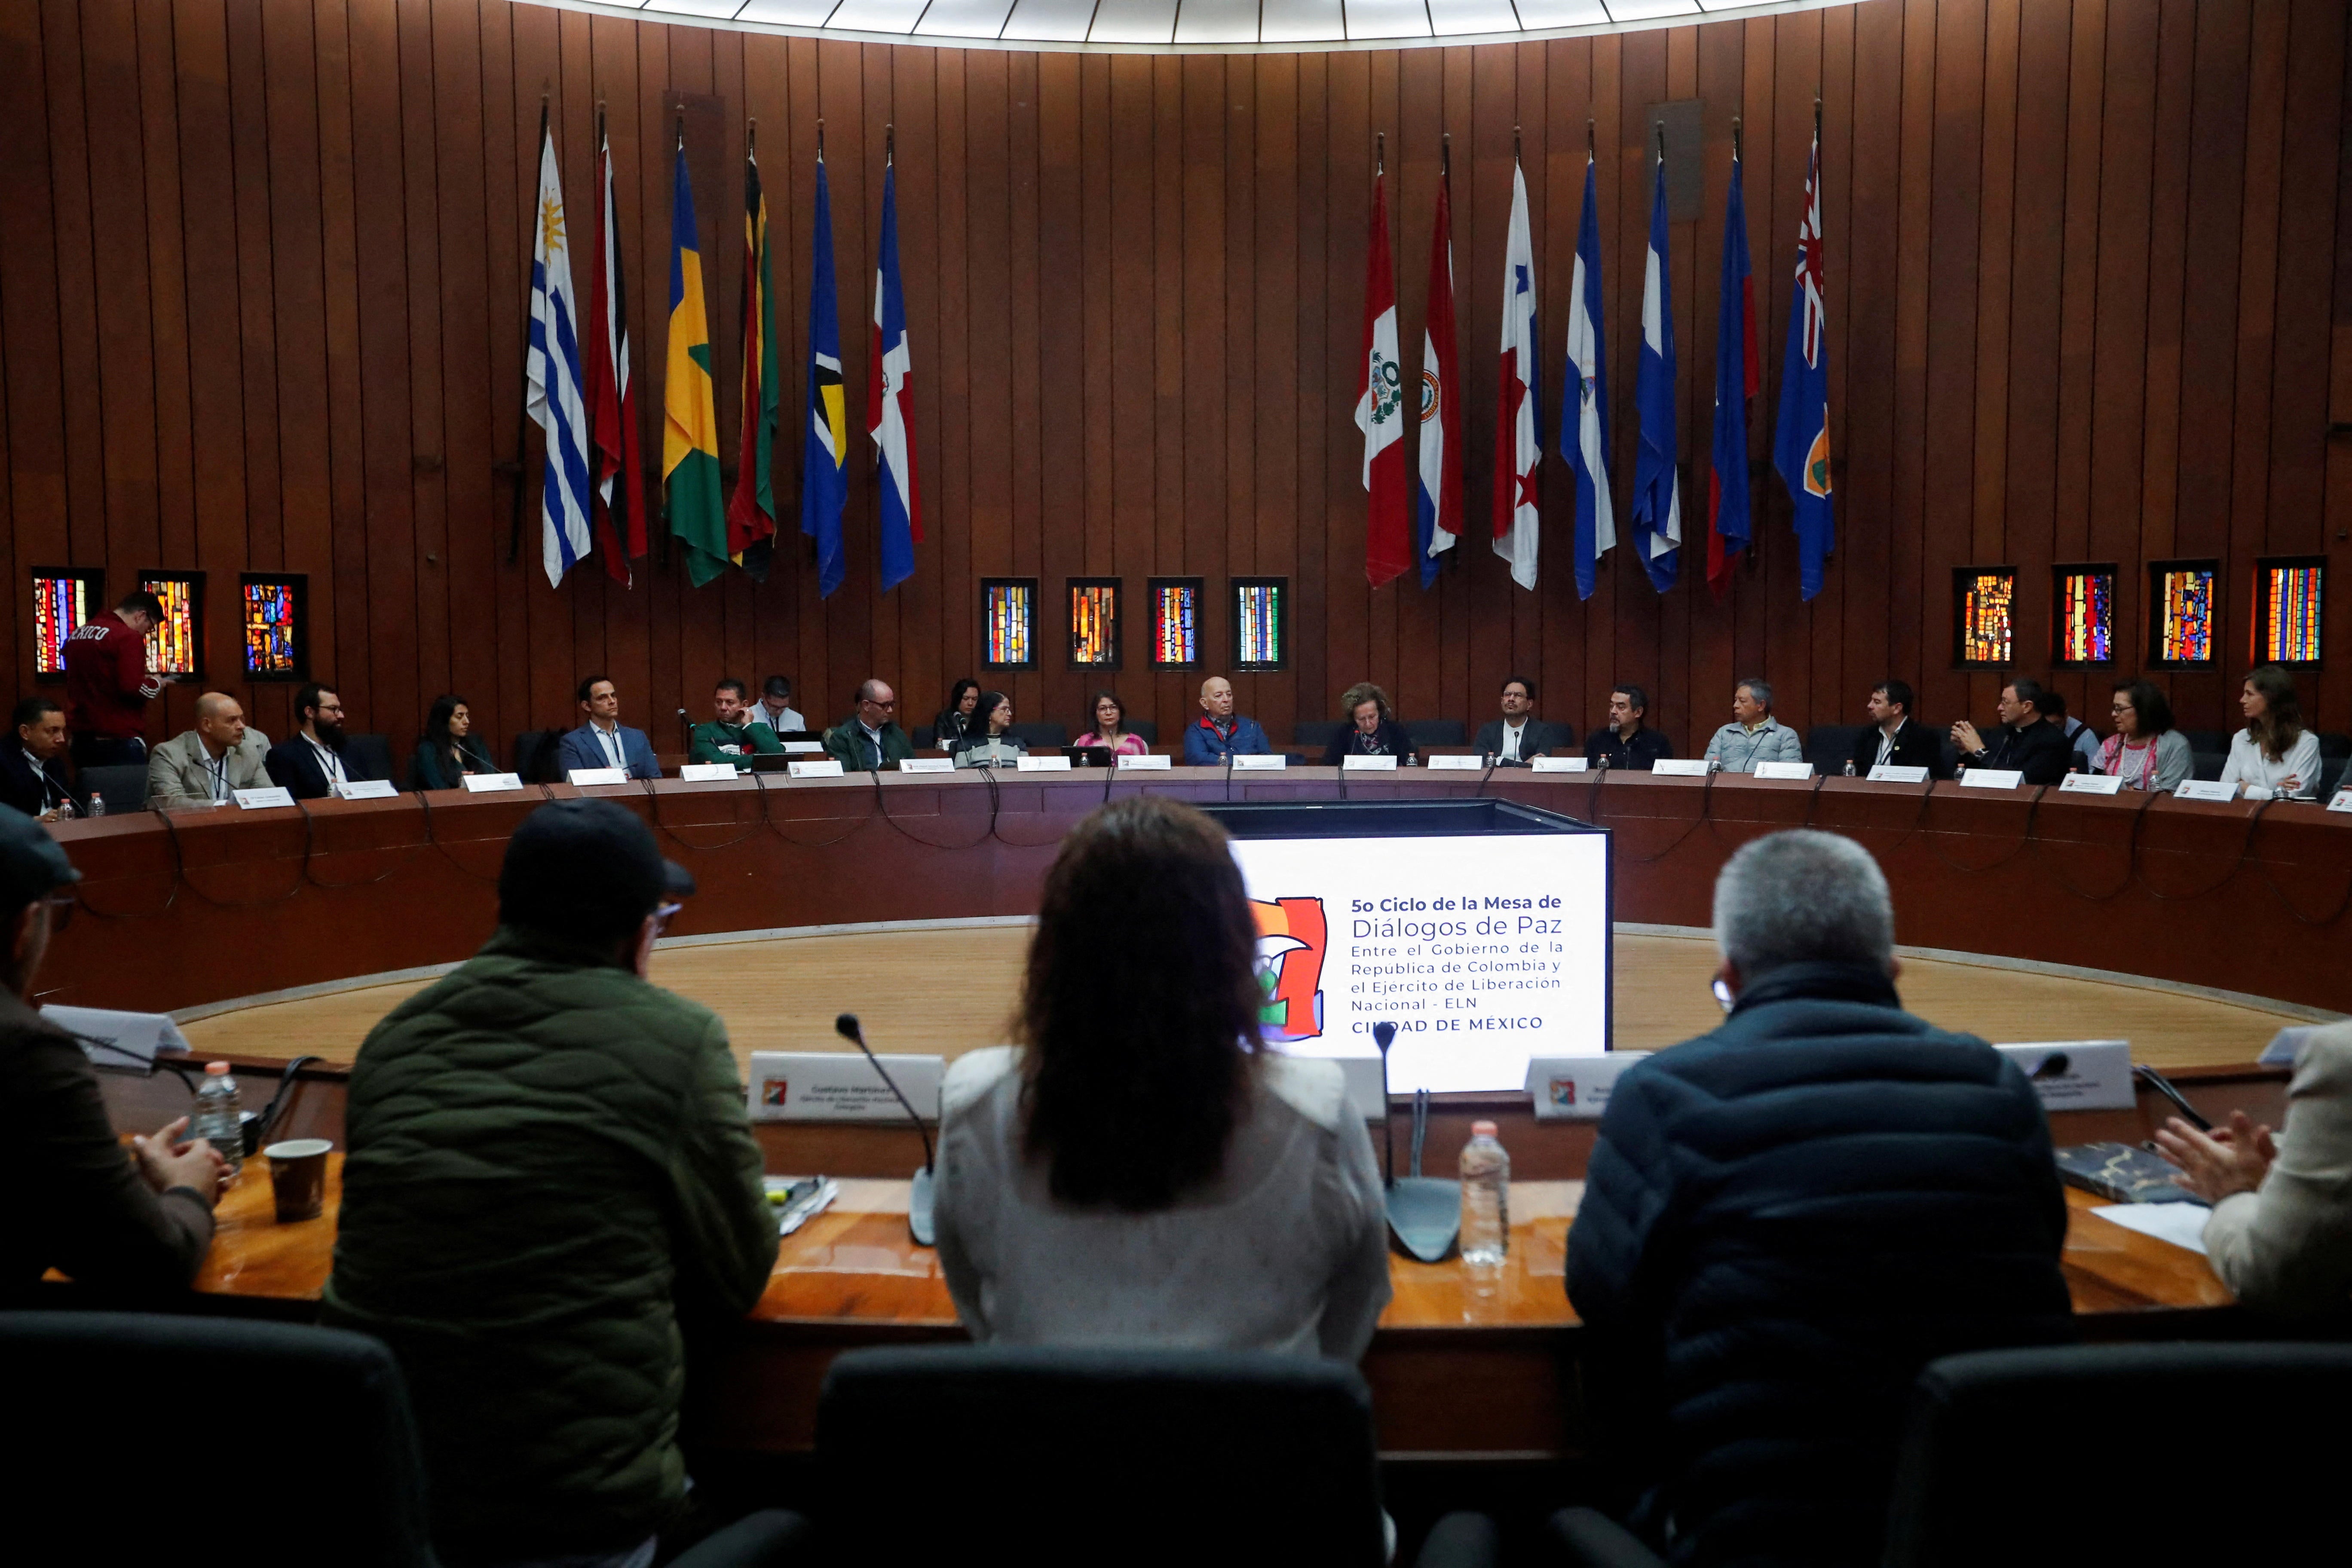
x=992, y=718
x=448, y=752
x=2146, y=751
x=1372, y=729
x=956, y=719
x=1111, y=729
x=1148, y=1172
x=2274, y=755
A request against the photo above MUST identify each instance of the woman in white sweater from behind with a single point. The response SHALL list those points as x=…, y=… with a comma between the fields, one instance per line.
x=2274, y=755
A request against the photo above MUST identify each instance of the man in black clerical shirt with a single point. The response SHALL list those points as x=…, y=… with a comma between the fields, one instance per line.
x=1625, y=742
x=2026, y=741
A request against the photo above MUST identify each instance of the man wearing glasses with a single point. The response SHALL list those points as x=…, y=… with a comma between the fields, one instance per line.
x=870, y=738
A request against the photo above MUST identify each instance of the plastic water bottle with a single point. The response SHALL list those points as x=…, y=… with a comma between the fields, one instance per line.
x=218, y=1116
x=1849, y=767
x=1485, y=1198
x=97, y=804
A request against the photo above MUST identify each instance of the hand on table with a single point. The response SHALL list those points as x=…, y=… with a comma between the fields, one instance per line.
x=166, y=1162
x=2215, y=1165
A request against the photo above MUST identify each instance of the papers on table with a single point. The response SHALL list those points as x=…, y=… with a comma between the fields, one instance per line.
x=2182, y=1225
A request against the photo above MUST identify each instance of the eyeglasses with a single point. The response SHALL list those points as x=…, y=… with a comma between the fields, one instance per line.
x=61, y=907
x=664, y=914
x=885, y=705
x=1722, y=995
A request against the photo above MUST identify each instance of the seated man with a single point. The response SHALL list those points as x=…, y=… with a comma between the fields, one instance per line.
x=1518, y=736
x=602, y=741
x=550, y=1180
x=208, y=764
x=738, y=733
x=2081, y=737
x=1753, y=735
x=33, y=771
x=1785, y=1219
x=2025, y=740
x=1894, y=738
x=870, y=737
x=774, y=708
x=1626, y=742
x=313, y=763
x=1217, y=733
x=132, y=1223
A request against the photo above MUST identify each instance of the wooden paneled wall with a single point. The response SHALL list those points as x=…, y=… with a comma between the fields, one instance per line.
x=263, y=263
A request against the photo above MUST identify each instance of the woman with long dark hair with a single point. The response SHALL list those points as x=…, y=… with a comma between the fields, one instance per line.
x=1372, y=728
x=448, y=752
x=1150, y=1173
x=957, y=719
x=2146, y=751
x=2274, y=755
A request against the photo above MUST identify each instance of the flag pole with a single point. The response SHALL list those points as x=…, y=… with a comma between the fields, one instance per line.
x=1379, y=153
x=669, y=530
x=1734, y=139
x=522, y=427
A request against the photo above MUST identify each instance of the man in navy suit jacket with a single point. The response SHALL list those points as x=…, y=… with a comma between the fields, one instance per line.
x=312, y=761
x=33, y=771
x=603, y=741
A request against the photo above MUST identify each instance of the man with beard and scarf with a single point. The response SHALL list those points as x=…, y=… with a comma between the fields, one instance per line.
x=312, y=761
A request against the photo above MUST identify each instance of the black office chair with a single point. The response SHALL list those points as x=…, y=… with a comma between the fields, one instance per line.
x=2208, y=764
x=2331, y=777
x=1041, y=736
x=1315, y=734
x=2335, y=747
x=375, y=751
x=1087, y=1457
x=534, y=755
x=122, y=786
x=1829, y=747
x=1427, y=733
x=1147, y=729
x=2207, y=740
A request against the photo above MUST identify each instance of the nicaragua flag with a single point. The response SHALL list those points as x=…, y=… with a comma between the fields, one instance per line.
x=890, y=402
x=824, y=487
x=1735, y=380
x=1657, y=512
x=551, y=378
x=1519, y=448
x=1380, y=407
x=697, y=508
x=1584, y=400
x=1438, y=501
x=1801, y=445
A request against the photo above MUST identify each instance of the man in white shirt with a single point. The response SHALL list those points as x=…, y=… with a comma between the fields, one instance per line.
x=775, y=707
x=1893, y=738
x=603, y=741
x=312, y=763
x=1519, y=737
x=208, y=764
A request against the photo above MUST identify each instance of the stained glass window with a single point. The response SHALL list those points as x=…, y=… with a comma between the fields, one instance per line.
x=1261, y=628
x=1987, y=599
x=2181, y=612
x=62, y=600
x=1176, y=622
x=275, y=635
x=1093, y=623
x=2086, y=615
x=1008, y=614
x=176, y=645
x=2286, y=601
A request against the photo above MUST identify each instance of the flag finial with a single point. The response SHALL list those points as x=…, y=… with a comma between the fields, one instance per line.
x=820, y=138
x=1660, y=126
x=1514, y=143
x=1445, y=157
x=889, y=143
x=1590, y=145
x=1734, y=139
x=1379, y=151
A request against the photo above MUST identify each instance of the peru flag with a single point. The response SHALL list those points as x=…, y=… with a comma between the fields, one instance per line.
x=1379, y=408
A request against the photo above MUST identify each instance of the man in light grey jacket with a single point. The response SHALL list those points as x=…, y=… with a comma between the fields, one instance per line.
x=1753, y=735
x=206, y=766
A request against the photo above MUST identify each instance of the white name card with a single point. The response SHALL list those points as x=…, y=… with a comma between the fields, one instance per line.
x=2076, y=1075
x=2206, y=789
x=927, y=764
x=1559, y=765
x=1368, y=765
x=839, y=1086
x=366, y=789
x=2342, y=801
x=1057, y=763
x=1681, y=767
x=829, y=768
x=1576, y=1089
x=2090, y=784
x=484, y=783
x=255, y=799
x=1260, y=762
x=1159, y=760
x=707, y=773
x=135, y=1036
x=1992, y=778
x=1895, y=772
x=1784, y=770
x=801, y=747
x=1457, y=764
x=581, y=777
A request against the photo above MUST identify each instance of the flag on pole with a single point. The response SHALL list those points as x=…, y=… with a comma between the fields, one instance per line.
x=1518, y=446
x=824, y=487
x=1737, y=377
x=751, y=511
x=1657, y=511
x=612, y=402
x=1438, y=502
x=696, y=508
x=1801, y=443
x=890, y=401
x=552, y=377
x=1379, y=406
x=1584, y=400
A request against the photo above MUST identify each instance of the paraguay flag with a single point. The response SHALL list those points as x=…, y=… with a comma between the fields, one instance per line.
x=823, y=485
x=1518, y=446
x=1735, y=380
x=1380, y=407
x=698, y=506
x=1439, y=498
x=612, y=404
x=1584, y=400
x=1801, y=445
x=1658, y=496
x=890, y=402
x=552, y=376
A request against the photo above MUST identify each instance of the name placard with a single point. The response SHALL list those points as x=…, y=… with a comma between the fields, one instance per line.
x=1681, y=767
x=2342, y=801
x=838, y=1085
x=1260, y=762
x=927, y=764
x=1148, y=760
x=1784, y=770
x=1895, y=772
x=829, y=768
x=1559, y=765
x=1576, y=1089
x=707, y=773
x=2090, y=784
x=485, y=784
x=1368, y=765
x=580, y=778
x=2076, y=1075
x=2206, y=789
x=801, y=747
x=1457, y=764
x=1057, y=763
x=1992, y=778
x=256, y=799
x=135, y=1036
x=366, y=789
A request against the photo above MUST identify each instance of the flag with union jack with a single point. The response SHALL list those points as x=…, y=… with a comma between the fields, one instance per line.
x=1800, y=442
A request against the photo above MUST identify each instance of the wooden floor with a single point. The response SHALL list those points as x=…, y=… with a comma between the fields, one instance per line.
x=950, y=991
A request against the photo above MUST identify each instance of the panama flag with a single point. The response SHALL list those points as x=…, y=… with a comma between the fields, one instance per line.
x=1519, y=449
x=612, y=404
x=1801, y=445
x=824, y=487
x=552, y=378
x=1438, y=502
x=1735, y=380
x=1584, y=400
x=1380, y=407
x=890, y=402
x=697, y=506
x=1657, y=511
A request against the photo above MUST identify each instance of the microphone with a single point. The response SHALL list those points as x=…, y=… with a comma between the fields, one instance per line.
x=918, y=1201
x=685, y=731
x=1424, y=1214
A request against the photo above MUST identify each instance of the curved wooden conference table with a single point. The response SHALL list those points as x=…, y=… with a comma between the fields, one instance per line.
x=202, y=907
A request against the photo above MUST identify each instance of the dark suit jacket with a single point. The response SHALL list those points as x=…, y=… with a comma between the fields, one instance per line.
x=295, y=764
x=22, y=788
x=1392, y=741
x=1915, y=746
x=1538, y=741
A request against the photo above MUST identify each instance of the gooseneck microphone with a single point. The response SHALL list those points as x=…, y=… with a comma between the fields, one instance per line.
x=1424, y=1214
x=685, y=731
x=918, y=1201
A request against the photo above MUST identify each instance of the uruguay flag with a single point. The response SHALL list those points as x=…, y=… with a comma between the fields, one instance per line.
x=1518, y=446
x=552, y=377
x=1439, y=502
x=824, y=487
x=1735, y=380
x=1801, y=445
x=890, y=402
x=1658, y=496
x=1584, y=400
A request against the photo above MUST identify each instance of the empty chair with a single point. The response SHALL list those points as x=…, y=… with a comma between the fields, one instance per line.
x=1829, y=747
x=534, y=755
x=2208, y=741
x=2208, y=764
x=2331, y=776
x=1040, y=736
x=1314, y=734
x=374, y=752
x=1428, y=733
x=1147, y=729
x=122, y=786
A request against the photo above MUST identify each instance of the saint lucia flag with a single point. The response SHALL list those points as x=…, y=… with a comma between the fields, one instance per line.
x=551, y=378
x=1584, y=402
x=1800, y=445
x=1735, y=380
x=1657, y=511
x=698, y=506
x=1440, y=500
x=1518, y=446
x=891, y=403
x=823, y=485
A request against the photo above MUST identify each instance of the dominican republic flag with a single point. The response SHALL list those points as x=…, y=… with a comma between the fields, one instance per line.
x=1438, y=502
x=551, y=399
x=1518, y=446
x=612, y=405
x=1380, y=407
x=1584, y=400
x=752, y=510
x=1657, y=511
x=1735, y=380
x=825, y=485
x=890, y=402
x=1801, y=445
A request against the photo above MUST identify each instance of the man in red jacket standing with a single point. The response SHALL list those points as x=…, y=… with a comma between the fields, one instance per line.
x=107, y=683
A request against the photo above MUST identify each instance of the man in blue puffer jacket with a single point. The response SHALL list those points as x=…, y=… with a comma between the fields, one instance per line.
x=1785, y=1219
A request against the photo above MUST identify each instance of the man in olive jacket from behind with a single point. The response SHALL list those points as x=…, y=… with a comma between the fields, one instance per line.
x=551, y=1178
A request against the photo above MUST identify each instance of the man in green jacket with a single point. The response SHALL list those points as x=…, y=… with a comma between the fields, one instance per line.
x=550, y=1181
x=870, y=738
x=737, y=731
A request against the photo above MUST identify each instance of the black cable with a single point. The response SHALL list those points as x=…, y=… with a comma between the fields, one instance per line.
x=180, y=861
x=653, y=809
x=1706, y=812
x=434, y=839
x=2131, y=858
x=882, y=803
x=2024, y=842
x=278, y=1102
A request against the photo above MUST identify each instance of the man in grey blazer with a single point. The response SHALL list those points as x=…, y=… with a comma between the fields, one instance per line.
x=206, y=766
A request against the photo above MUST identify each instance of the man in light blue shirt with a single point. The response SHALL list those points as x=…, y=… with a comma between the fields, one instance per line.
x=1753, y=735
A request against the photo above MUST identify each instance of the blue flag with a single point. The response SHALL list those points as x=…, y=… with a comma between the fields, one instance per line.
x=1735, y=378
x=890, y=402
x=1801, y=445
x=1657, y=511
x=1584, y=398
x=823, y=485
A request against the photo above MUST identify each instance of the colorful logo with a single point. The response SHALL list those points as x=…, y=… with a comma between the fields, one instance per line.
x=1563, y=1092
x=1291, y=936
x=773, y=1091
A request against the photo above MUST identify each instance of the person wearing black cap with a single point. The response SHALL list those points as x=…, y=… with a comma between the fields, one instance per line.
x=550, y=1181
x=132, y=1223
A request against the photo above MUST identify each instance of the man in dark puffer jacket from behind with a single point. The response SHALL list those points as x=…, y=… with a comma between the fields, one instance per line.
x=1785, y=1219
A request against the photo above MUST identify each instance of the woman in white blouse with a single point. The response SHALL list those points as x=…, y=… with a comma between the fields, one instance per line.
x=2274, y=755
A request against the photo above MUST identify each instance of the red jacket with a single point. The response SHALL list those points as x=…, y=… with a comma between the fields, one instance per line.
x=107, y=683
